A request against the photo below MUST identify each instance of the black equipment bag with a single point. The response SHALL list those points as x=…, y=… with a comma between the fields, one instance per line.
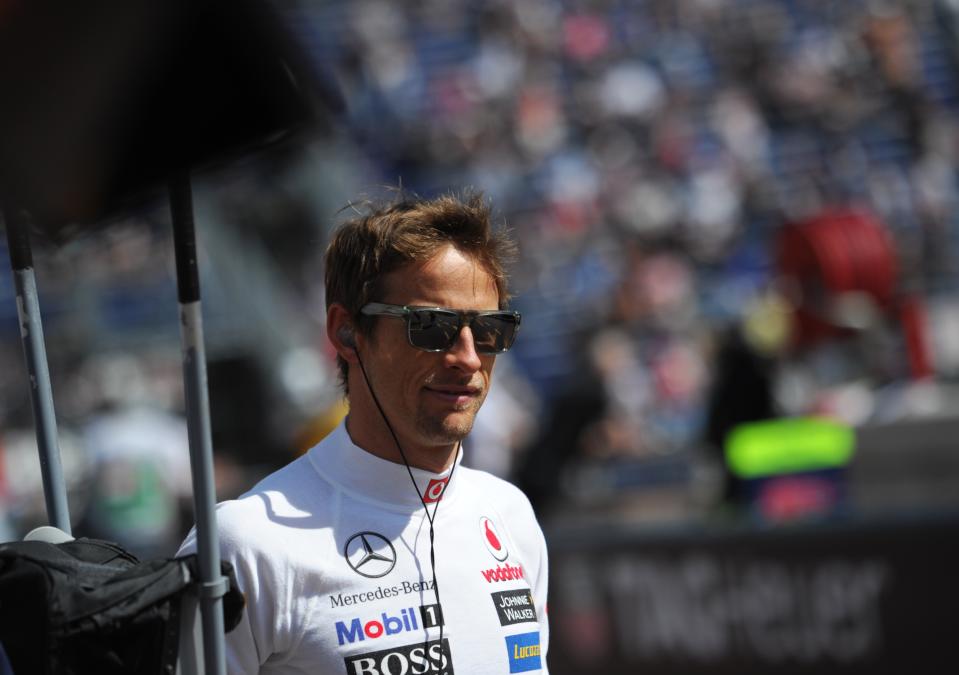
x=88, y=606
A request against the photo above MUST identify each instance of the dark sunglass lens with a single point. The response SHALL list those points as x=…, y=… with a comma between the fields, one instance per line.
x=432, y=329
x=494, y=333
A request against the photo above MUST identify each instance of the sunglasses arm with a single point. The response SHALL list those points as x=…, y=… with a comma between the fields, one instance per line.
x=381, y=309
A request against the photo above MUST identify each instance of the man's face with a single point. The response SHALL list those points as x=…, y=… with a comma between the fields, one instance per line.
x=431, y=399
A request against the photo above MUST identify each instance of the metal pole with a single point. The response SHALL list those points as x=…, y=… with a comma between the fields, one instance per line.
x=35, y=355
x=213, y=585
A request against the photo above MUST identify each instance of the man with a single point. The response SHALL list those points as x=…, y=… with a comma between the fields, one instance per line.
x=377, y=553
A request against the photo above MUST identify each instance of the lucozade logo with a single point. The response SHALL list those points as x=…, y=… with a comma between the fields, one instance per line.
x=524, y=652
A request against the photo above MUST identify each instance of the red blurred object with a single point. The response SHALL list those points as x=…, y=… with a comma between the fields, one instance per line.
x=786, y=498
x=586, y=36
x=846, y=251
x=838, y=251
x=913, y=316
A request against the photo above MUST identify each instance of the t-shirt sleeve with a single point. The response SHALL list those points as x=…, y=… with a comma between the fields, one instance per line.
x=531, y=541
x=540, y=588
x=255, y=638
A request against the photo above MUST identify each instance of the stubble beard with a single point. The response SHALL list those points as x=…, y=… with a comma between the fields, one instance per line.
x=450, y=428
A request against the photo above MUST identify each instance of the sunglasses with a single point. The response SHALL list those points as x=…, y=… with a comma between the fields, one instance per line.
x=435, y=329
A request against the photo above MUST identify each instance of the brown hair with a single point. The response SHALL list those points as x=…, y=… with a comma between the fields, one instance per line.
x=410, y=229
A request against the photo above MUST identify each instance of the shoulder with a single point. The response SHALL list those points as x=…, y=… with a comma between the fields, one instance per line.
x=507, y=497
x=262, y=519
x=511, y=512
x=292, y=495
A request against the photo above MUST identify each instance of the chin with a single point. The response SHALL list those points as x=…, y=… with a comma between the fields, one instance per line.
x=453, y=429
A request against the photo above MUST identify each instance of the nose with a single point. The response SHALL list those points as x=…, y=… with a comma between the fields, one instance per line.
x=463, y=355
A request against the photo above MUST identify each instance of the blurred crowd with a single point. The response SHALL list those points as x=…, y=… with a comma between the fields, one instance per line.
x=647, y=155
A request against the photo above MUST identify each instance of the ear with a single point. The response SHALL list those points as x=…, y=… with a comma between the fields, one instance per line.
x=340, y=332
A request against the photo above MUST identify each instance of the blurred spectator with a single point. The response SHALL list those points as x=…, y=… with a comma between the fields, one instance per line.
x=22, y=499
x=561, y=439
x=742, y=391
x=140, y=461
x=6, y=527
x=500, y=435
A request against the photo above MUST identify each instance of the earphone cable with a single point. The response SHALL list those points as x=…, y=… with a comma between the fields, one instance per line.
x=429, y=517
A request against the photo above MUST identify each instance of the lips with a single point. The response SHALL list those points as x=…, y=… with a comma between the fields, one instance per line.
x=455, y=394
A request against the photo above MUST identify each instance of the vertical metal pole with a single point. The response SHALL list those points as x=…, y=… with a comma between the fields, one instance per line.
x=35, y=355
x=213, y=583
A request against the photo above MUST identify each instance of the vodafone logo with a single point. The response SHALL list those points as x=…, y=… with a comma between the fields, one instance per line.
x=434, y=490
x=495, y=544
x=504, y=573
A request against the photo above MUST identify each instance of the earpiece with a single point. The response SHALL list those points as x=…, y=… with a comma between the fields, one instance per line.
x=345, y=334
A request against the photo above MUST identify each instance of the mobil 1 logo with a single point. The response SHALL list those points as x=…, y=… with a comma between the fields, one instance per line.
x=421, y=658
x=514, y=606
x=432, y=615
x=359, y=630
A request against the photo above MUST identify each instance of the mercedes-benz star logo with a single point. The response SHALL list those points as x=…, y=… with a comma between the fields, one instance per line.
x=370, y=554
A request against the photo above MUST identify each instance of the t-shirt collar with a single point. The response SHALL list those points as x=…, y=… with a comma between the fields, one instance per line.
x=367, y=476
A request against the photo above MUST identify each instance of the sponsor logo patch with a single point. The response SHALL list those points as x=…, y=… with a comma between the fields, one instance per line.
x=495, y=544
x=370, y=554
x=386, y=624
x=421, y=658
x=432, y=615
x=380, y=593
x=523, y=650
x=504, y=573
x=514, y=606
x=434, y=490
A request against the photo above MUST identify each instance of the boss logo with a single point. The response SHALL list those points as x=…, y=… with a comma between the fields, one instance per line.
x=422, y=658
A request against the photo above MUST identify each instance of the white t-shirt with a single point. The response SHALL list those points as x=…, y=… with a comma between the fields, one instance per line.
x=332, y=553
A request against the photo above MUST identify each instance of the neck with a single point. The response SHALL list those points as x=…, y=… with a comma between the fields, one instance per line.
x=372, y=434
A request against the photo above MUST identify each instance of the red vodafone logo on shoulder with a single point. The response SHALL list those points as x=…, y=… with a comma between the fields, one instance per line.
x=495, y=543
x=434, y=490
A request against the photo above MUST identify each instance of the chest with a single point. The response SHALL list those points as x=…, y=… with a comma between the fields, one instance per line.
x=371, y=604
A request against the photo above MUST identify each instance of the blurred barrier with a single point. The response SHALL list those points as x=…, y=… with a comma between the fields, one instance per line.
x=849, y=597
x=791, y=467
